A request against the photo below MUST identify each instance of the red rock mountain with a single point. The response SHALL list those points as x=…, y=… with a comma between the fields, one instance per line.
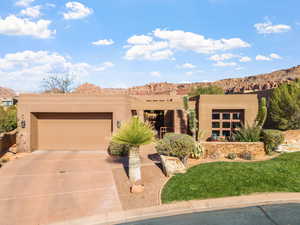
x=258, y=83
x=7, y=93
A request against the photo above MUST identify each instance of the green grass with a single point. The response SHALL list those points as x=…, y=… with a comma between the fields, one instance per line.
x=220, y=179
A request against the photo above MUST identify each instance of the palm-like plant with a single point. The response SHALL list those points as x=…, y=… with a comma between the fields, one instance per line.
x=134, y=133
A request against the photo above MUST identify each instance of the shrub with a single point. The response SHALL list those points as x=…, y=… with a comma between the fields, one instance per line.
x=115, y=149
x=209, y=90
x=248, y=134
x=198, y=151
x=246, y=155
x=178, y=145
x=231, y=155
x=272, y=139
x=285, y=106
x=8, y=119
x=134, y=133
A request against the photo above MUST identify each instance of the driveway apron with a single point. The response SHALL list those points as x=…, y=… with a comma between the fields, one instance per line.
x=48, y=186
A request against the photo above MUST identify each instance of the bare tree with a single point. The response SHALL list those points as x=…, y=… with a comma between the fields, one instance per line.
x=58, y=84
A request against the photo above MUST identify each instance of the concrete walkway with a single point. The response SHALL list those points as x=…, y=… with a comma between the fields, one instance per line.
x=49, y=187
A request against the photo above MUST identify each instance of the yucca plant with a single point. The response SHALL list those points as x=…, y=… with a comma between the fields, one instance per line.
x=248, y=134
x=134, y=133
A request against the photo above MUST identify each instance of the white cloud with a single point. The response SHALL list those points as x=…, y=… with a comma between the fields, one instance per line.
x=268, y=28
x=186, y=66
x=275, y=56
x=155, y=74
x=33, y=12
x=139, y=40
x=223, y=57
x=224, y=64
x=152, y=51
x=245, y=59
x=24, y=3
x=161, y=44
x=182, y=40
x=76, y=10
x=13, y=25
x=28, y=68
x=262, y=58
x=268, y=58
x=104, y=66
x=104, y=42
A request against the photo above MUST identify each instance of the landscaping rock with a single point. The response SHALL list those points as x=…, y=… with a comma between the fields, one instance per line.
x=172, y=165
x=137, y=188
x=291, y=146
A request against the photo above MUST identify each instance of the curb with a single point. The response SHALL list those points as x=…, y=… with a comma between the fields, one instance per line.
x=186, y=207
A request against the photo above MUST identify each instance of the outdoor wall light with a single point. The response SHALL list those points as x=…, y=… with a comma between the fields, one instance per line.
x=119, y=124
x=23, y=124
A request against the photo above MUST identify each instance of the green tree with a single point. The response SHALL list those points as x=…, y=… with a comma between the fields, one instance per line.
x=134, y=133
x=285, y=106
x=208, y=90
x=8, y=119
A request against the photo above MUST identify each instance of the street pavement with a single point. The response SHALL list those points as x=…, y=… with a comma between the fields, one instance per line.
x=284, y=214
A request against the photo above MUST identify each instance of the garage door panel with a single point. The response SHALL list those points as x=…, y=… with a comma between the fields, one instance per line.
x=73, y=132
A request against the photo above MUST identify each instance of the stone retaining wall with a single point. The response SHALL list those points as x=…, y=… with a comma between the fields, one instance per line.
x=222, y=149
x=7, y=140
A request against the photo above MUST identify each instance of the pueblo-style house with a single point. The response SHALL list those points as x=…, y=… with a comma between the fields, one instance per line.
x=87, y=121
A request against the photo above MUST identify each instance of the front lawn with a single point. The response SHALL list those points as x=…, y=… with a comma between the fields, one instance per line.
x=220, y=179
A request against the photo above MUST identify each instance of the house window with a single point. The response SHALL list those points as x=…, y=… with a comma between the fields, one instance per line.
x=226, y=122
x=216, y=116
x=7, y=103
x=215, y=125
x=226, y=125
x=226, y=116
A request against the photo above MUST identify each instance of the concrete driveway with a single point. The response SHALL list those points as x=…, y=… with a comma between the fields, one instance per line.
x=49, y=187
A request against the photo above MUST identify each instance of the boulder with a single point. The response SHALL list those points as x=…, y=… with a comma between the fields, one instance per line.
x=172, y=165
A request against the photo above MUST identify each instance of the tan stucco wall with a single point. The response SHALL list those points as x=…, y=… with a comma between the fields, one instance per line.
x=58, y=103
x=208, y=103
x=120, y=106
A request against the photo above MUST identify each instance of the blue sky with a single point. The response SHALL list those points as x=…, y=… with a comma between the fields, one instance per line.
x=122, y=43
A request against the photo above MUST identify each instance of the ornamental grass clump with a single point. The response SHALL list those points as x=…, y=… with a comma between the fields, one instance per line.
x=134, y=133
x=248, y=134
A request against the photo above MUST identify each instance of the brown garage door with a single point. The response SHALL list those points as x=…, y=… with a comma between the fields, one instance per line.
x=73, y=131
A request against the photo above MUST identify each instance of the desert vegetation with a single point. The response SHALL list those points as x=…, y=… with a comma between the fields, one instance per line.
x=285, y=106
x=133, y=134
x=8, y=119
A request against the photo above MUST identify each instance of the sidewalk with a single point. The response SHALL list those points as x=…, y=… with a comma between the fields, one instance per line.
x=187, y=207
